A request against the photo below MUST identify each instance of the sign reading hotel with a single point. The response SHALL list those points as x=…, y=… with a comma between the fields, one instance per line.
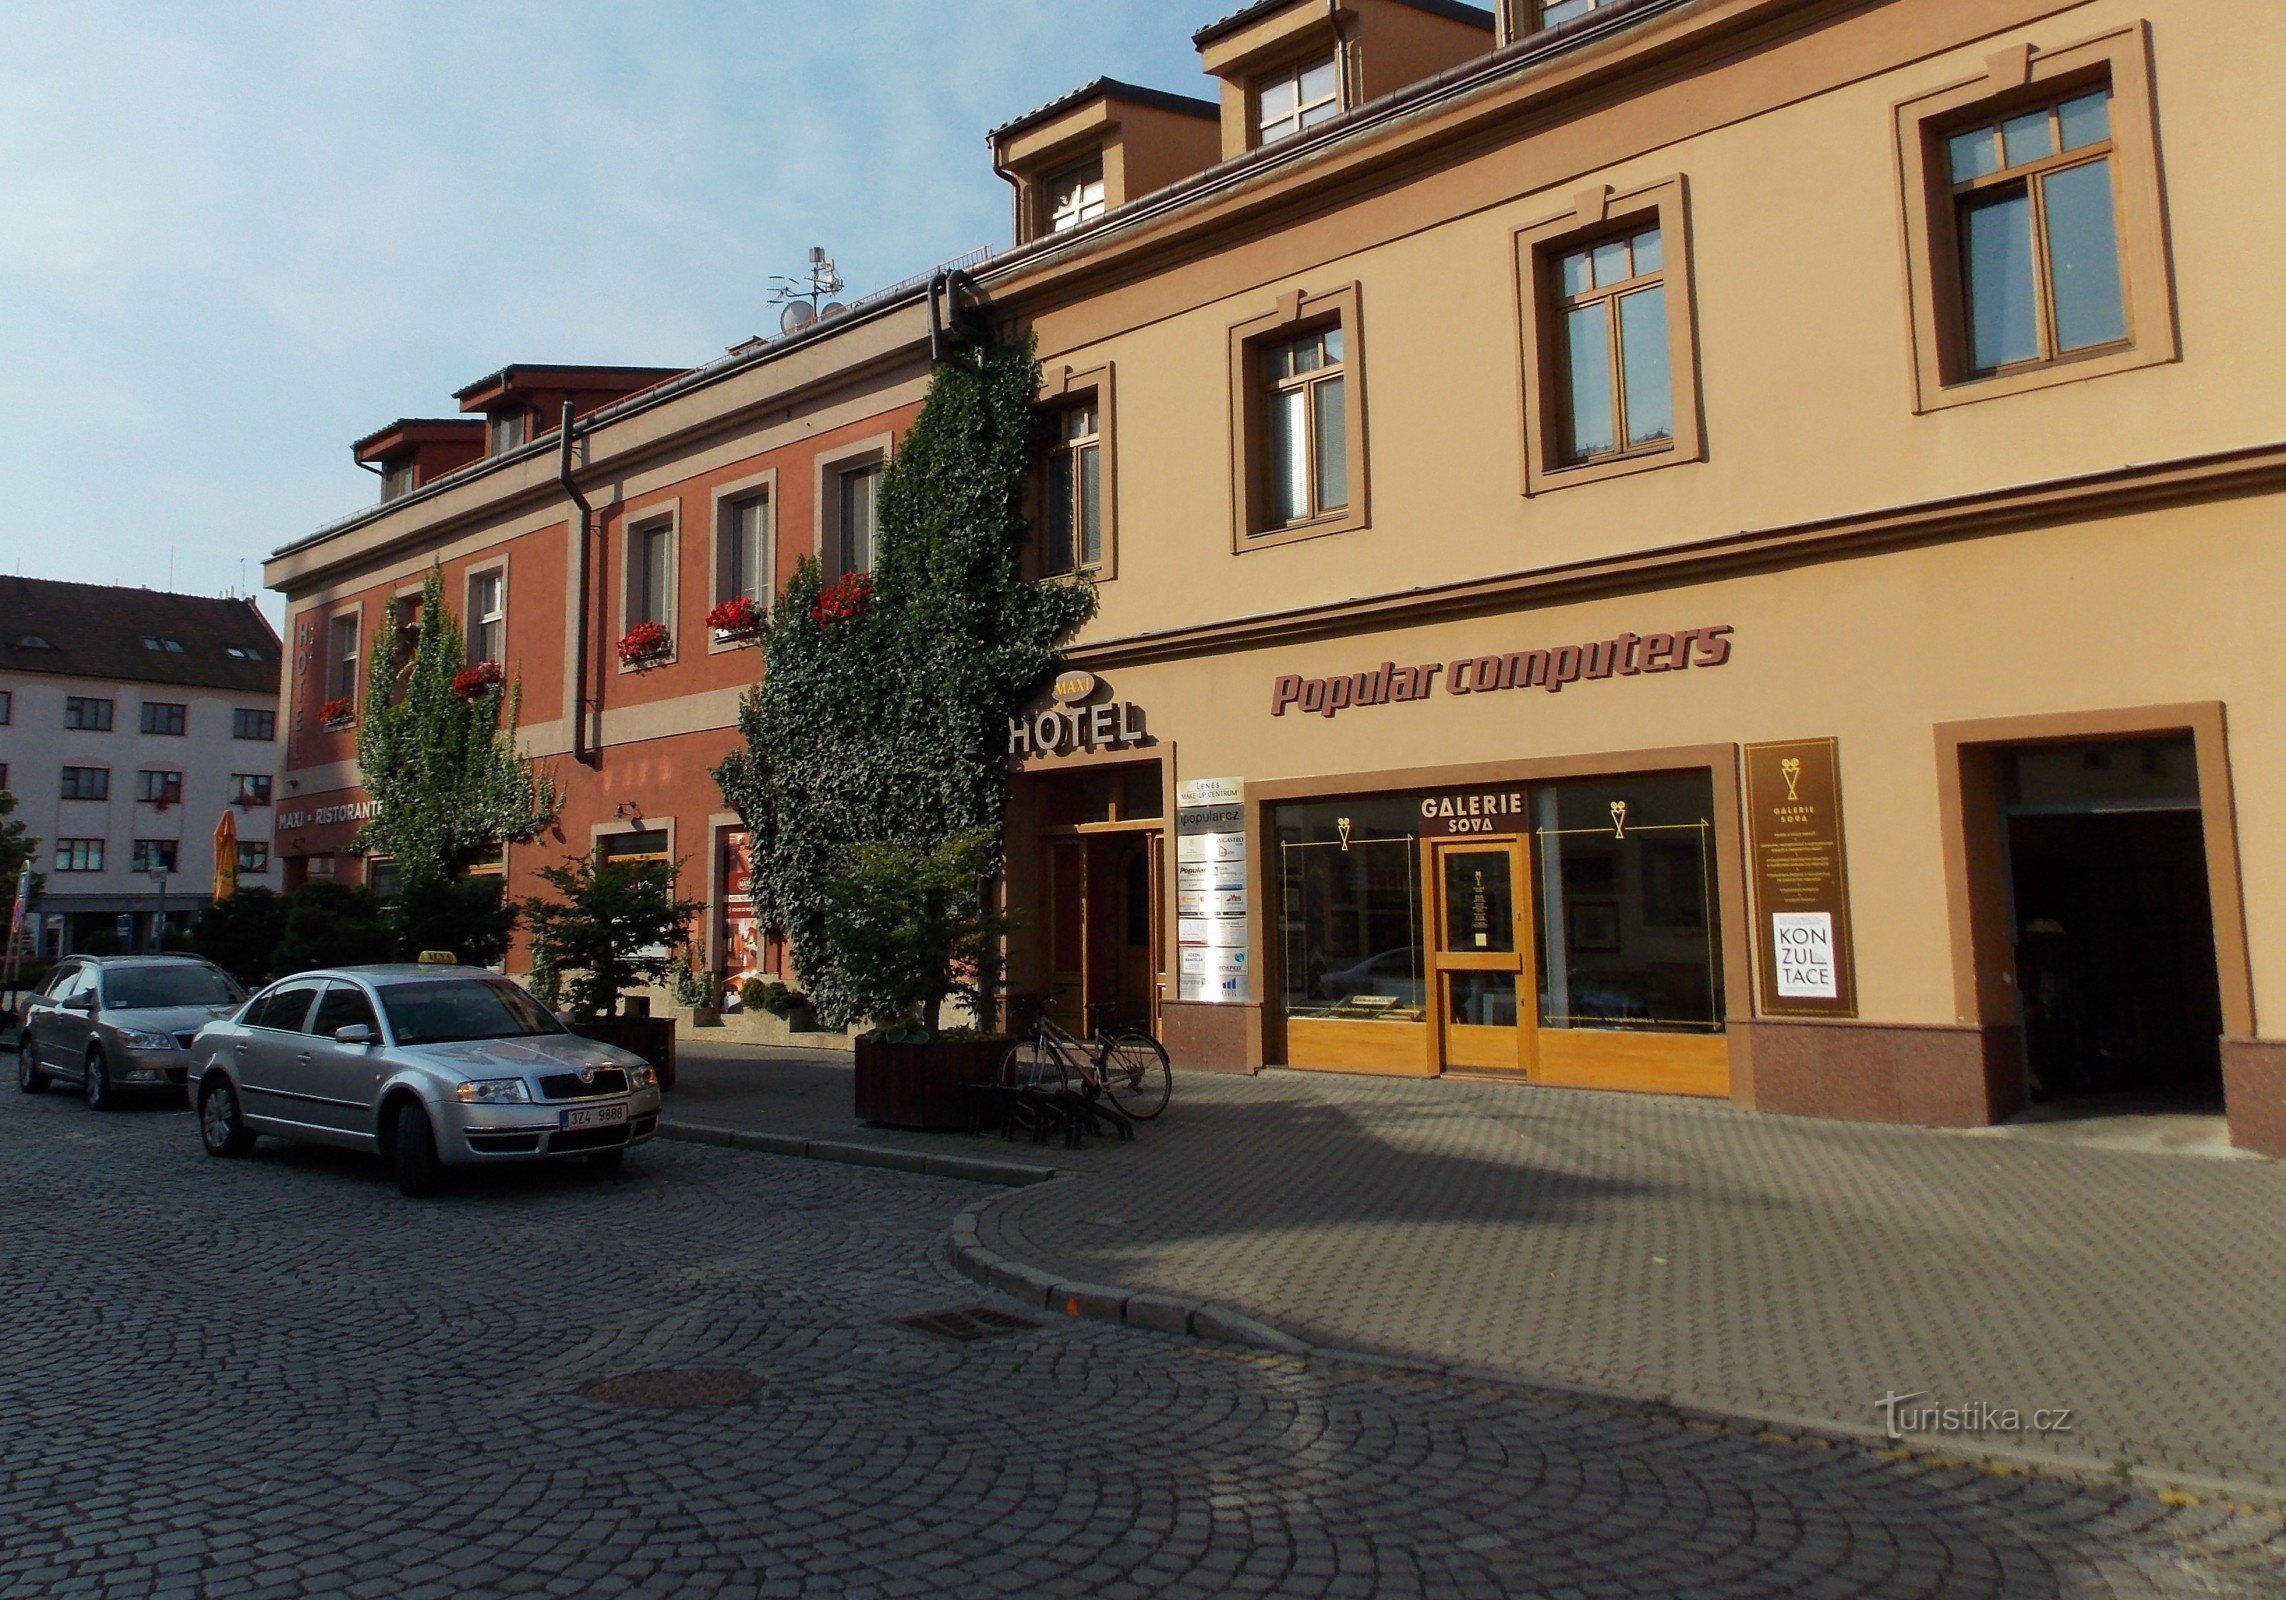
x=1210, y=892
x=1801, y=879
x=1628, y=655
x=1072, y=724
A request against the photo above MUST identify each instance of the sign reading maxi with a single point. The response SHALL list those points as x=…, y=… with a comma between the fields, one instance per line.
x=1628, y=655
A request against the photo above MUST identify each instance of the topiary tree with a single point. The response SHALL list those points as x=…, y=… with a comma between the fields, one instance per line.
x=616, y=926
x=241, y=934
x=334, y=925
x=909, y=927
x=881, y=717
x=470, y=916
x=440, y=757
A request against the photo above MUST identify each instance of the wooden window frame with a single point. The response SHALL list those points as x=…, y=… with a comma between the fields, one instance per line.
x=259, y=862
x=725, y=499
x=1059, y=391
x=146, y=719
x=1298, y=313
x=1598, y=214
x=238, y=720
x=104, y=719
x=1077, y=167
x=78, y=855
x=470, y=621
x=665, y=517
x=826, y=473
x=169, y=786
x=253, y=788
x=1289, y=70
x=353, y=622
x=2017, y=79
x=139, y=857
x=102, y=785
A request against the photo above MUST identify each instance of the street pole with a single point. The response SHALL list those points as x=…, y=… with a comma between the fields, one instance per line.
x=159, y=932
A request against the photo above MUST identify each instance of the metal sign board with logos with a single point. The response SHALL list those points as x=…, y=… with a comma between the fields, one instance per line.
x=1801, y=879
x=1211, y=891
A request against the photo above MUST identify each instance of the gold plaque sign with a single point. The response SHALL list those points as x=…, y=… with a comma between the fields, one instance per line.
x=1801, y=879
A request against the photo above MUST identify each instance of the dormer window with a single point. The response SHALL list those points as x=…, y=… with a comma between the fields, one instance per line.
x=1296, y=98
x=504, y=431
x=397, y=479
x=1075, y=195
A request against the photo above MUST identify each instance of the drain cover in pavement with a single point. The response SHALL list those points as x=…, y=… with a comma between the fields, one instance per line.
x=676, y=1388
x=968, y=1324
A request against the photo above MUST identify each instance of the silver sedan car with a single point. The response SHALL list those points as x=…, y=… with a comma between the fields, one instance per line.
x=433, y=1067
x=117, y=1024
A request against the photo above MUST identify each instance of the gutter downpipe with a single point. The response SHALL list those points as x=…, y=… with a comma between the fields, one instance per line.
x=582, y=752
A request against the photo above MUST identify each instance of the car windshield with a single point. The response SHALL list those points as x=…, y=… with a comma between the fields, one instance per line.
x=152, y=988
x=451, y=1011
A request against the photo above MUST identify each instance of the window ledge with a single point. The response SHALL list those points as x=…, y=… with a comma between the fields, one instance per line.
x=1295, y=532
x=2044, y=375
x=1614, y=466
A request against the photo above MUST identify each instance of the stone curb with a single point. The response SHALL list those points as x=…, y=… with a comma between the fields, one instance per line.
x=1209, y=1319
x=975, y=1169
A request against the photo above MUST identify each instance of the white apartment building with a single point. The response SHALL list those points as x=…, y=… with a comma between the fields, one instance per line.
x=131, y=722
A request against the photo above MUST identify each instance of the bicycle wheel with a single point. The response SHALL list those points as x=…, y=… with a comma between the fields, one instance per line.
x=1137, y=1073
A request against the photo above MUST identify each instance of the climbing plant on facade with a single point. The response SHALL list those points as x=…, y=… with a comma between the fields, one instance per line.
x=437, y=747
x=883, y=709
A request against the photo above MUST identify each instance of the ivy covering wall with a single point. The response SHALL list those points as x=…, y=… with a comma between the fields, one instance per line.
x=882, y=714
x=437, y=748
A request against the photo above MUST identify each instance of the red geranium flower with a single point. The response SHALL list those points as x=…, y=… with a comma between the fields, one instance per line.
x=646, y=645
x=335, y=712
x=737, y=618
x=470, y=682
x=844, y=600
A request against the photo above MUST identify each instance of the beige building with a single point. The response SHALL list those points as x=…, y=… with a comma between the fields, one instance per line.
x=1717, y=546
x=1720, y=546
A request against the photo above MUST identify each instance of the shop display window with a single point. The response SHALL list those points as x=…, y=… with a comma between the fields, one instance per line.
x=1349, y=880
x=1624, y=878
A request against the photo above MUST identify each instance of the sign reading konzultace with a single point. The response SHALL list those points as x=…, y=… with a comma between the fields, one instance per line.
x=1801, y=879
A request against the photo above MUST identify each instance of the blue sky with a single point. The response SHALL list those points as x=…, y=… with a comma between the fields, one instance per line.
x=239, y=236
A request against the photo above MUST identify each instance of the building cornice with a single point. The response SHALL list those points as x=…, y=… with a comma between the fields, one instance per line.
x=2252, y=470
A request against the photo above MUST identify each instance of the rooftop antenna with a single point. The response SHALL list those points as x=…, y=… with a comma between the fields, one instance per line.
x=801, y=296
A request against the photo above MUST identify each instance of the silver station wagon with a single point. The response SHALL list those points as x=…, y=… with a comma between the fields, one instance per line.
x=433, y=1067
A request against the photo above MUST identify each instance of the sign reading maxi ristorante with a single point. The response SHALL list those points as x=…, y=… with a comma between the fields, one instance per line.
x=1627, y=656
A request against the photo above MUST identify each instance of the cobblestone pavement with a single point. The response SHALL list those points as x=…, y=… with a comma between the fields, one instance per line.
x=1673, y=1248
x=276, y=1377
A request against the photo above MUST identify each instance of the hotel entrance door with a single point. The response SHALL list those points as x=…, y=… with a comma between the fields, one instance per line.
x=1480, y=953
x=1105, y=888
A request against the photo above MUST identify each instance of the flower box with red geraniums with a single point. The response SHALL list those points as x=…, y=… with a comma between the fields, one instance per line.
x=844, y=601
x=737, y=618
x=337, y=713
x=482, y=678
x=646, y=645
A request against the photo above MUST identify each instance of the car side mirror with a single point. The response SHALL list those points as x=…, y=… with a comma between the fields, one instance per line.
x=353, y=1033
x=81, y=1002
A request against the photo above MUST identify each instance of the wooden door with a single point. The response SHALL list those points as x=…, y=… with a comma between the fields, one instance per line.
x=1484, y=993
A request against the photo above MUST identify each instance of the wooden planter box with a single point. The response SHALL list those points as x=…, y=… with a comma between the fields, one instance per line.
x=652, y=1038
x=920, y=1085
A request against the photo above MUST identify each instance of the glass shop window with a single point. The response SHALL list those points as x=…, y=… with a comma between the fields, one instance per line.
x=1349, y=925
x=1624, y=877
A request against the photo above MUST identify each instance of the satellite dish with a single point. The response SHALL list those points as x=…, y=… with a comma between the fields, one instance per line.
x=832, y=308
x=797, y=316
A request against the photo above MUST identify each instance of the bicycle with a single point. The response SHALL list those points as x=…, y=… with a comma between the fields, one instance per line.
x=1126, y=1067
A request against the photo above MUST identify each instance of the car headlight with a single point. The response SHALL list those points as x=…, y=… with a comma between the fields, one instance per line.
x=642, y=1077
x=495, y=1092
x=134, y=1039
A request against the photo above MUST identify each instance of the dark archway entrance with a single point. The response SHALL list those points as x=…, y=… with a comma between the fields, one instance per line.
x=2112, y=921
